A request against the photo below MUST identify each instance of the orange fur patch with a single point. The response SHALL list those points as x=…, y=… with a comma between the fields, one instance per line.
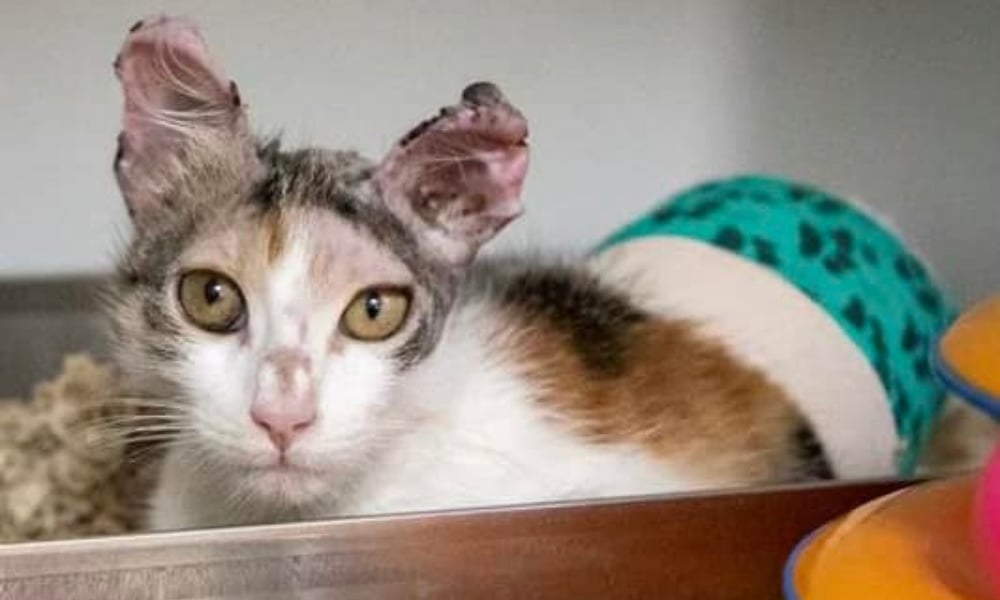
x=275, y=233
x=680, y=396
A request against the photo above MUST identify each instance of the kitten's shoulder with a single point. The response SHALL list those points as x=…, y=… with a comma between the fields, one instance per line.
x=618, y=374
x=595, y=318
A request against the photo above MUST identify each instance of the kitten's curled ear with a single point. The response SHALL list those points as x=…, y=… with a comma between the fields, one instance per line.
x=174, y=97
x=456, y=178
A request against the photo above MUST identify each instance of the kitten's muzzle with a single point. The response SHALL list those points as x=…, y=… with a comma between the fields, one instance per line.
x=285, y=403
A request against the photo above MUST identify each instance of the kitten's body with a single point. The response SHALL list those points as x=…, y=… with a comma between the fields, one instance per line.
x=485, y=421
x=501, y=383
x=478, y=436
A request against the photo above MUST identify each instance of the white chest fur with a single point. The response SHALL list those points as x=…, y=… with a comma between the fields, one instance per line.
x=487, y=441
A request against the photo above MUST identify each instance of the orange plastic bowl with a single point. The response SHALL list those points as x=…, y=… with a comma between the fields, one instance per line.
x=968, y=357
x=915, y=544
x=968, y=361
x=938, y=540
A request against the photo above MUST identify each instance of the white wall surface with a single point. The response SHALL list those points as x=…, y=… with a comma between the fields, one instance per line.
x=894, y=102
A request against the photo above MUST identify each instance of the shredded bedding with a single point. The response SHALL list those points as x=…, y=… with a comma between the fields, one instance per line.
x=63, y=472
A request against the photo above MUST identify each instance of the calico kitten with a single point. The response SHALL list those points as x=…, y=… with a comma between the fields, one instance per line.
x=313, y=338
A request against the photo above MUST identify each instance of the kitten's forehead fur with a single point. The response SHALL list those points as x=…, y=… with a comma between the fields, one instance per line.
x=215, y=216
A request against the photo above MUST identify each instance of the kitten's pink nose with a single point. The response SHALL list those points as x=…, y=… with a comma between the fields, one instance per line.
x=285, y=402
x=283, y=425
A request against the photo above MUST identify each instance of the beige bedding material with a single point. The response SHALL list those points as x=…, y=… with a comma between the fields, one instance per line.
x=61, y=475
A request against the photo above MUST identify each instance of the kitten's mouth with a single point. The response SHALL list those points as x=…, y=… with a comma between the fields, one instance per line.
x=286, y=466
x=286, y=484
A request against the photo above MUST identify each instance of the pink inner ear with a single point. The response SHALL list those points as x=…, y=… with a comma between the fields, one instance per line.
x=171, y=84
x=173, y=92
x=464, y=169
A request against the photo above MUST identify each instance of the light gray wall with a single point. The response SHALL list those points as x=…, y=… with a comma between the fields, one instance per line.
x=897, y=103
x=893, y=102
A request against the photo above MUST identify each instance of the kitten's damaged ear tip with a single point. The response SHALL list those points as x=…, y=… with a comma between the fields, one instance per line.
x=482, y=93
x=119, y=150
x=162, y=20
x=458, y=175
x=173, y=92
x=157, y=28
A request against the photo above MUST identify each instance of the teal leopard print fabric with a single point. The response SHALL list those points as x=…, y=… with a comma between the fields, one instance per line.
x=860, y=273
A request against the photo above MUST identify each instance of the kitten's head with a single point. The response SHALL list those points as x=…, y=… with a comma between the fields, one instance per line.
x=270, y=300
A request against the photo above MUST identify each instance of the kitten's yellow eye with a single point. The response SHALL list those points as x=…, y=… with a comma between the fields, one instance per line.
x=376, y=313
x=212, y=301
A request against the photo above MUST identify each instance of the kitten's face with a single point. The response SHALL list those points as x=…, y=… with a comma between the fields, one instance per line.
x=270, y=301
x=294, y=310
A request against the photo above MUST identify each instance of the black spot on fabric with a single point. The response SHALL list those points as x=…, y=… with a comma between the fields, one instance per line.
x=917, y=269
x=882, y=368
x=839, y=263
x=912, y=339
x=844, y=239
x=909, y=268
x=922, y=368
x=828, y=206
x=903, y=402
x=869, y=254
x=731, y=195
x=810, y=240
x=665, y=214
x=760, y=198
x=730, y=238
x=798, y=193
x=704, y=209
x=929, y=302
x=833, y=265
x=878, y=337
x=766, y=252
x=855, y=313
x=902, y=267
x=901, y=407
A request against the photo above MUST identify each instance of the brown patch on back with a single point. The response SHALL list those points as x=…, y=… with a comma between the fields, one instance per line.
x=679, y=395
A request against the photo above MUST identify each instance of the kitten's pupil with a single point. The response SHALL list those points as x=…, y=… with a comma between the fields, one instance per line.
x=213, y=291
x=373, y=305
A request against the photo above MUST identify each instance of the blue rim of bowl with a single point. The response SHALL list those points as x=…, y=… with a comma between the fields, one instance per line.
x=788, y=572
x=965, y=390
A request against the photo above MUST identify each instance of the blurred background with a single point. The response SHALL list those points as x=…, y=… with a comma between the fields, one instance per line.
x=895, y=103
